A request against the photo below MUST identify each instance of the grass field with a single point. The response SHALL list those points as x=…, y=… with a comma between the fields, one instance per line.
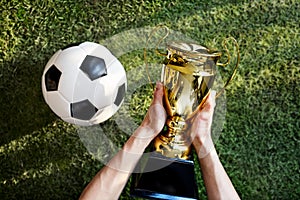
x=42, y=157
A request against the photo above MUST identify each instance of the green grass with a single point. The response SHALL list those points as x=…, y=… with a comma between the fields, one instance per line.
x=42, y=157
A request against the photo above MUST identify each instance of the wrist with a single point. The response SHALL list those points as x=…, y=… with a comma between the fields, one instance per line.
x=212, y=155
x=139, y=140
x=203, y=147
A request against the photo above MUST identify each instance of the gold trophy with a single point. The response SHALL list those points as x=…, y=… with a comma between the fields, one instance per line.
x=188, y=75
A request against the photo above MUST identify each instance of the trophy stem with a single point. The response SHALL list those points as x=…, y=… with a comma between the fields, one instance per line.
x=173, y=142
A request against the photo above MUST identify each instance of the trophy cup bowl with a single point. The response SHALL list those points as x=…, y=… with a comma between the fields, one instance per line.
x=188, y=75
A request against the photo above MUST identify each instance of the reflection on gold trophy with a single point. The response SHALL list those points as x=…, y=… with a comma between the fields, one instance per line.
x=188, y=74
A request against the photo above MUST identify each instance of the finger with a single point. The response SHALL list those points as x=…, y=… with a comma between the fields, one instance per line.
x=158, y=94
x=210, y=102
x=207, y=111
x=157, y=117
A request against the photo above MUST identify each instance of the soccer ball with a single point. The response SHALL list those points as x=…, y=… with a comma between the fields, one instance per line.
x=84, y=84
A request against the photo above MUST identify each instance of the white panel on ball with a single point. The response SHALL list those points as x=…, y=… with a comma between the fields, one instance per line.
x=58, y=104
x=67, y=84
x=84, y=88
x=78, y=122
x=70, y=59
x=119, y=72
x=69, y=120
x=117, y=69
x=88, y=47
x=82, y=122
x=106, y=113
x=100, y=100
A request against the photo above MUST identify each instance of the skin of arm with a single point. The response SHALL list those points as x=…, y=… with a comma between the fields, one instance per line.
x=217, y=183
x=111, y=179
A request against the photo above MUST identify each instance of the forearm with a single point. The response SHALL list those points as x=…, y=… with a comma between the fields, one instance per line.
x=110, y=181
x=216, y=180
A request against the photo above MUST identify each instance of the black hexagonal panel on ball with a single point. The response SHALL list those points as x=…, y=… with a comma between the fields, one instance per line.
x=83, y=110
x=52, y=77
x=94, y=67
x=120, y=95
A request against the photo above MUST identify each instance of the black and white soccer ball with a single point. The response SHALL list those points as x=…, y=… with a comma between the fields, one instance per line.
x=84, y=84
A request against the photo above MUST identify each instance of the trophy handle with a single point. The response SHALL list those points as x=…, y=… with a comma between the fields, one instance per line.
x=225, y=41
x=156, y=47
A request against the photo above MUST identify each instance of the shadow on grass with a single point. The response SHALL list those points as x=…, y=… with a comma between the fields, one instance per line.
x=40, y=162
x=51, y=163
x=23, y=109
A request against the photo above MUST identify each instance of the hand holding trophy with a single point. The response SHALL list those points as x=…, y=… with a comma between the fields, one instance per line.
x=188, y=75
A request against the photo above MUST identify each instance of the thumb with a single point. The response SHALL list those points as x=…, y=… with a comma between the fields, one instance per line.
x=158, y=94
x=156, y=115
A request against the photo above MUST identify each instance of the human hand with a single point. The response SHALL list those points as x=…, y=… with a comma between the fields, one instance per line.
x=155, y=118
x=200, y=131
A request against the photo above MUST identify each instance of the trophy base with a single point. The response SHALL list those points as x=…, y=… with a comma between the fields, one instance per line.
x=164, y=178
